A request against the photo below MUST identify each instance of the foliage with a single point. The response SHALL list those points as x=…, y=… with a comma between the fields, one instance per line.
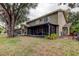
x=73, y=5
x=13, y=14
x=52, y=36
x=2, y=30
x=18, y=10
x=74, y=19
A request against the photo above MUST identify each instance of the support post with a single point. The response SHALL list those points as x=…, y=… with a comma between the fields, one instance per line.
x=68, y=31
x=49, y=29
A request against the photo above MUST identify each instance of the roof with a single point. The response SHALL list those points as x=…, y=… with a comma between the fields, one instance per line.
x=46, y=15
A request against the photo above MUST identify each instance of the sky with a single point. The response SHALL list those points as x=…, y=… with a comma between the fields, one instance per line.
x=44, y=8
x=41, y=9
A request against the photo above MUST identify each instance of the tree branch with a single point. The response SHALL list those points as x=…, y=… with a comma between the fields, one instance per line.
x=6, y=9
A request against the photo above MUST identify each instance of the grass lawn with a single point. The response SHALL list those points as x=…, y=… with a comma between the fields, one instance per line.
x=23, y=45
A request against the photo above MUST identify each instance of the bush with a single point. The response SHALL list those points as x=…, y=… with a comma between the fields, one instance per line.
x=52, y=36
x=1, y=30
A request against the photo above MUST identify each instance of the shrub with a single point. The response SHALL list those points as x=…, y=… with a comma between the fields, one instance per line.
x=52, y=36
x=1, y=30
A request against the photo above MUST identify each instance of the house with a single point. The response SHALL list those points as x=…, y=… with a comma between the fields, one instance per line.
x=54, y=22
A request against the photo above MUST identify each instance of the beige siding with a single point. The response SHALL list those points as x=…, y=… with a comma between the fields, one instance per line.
x=38, y=22
x=53, y=19
x=61, y=22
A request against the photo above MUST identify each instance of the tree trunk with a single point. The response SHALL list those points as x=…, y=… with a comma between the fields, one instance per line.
x=10, y=27
x=10, y=30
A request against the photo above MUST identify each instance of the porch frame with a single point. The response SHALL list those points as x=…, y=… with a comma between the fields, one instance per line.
x=43, y=30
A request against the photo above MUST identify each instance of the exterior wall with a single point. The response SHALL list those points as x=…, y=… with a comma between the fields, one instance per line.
x=38, y=21
x=61, y=22
x=53, y=19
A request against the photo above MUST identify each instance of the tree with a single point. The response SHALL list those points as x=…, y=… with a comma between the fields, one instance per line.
x=72, y=5
x=13, y=14
x=74, y=18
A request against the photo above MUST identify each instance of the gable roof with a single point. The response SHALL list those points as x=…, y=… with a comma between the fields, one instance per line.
x=45, y=15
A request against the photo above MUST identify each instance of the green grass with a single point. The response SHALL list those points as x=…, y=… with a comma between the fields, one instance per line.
x=23, y=46
x=10, y=41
